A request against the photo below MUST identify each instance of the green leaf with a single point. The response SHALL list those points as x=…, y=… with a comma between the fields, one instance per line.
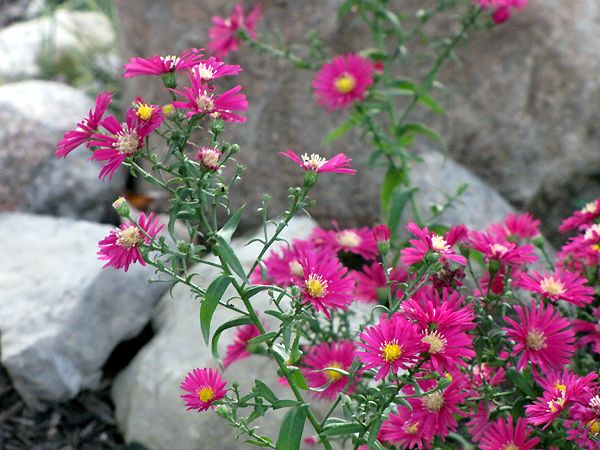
x=257, y=443
x=251, y=291
x=299, y=380
x=340, y=131
x=373, y=432
x=412, y=129
x=266, y=392
x=229, y=228
x=215, y=291
x=393, y=178
x=343, y=429
x=290, y=433
x=399, y=200
x=285, y=404
x=262, y=338
x=230, y=324
x=225, y=253
x=431, y=104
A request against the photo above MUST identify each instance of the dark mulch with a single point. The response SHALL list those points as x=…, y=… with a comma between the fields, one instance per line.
x=85, y=423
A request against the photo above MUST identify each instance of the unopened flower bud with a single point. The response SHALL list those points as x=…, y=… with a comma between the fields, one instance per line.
x=169, y=80
x=209, y=157
x=168, y=109
x=382, y=236
x=121, y=207
x=223, y=411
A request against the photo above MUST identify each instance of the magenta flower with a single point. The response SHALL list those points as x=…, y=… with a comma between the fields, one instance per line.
x=212, y=68
x=209, y=157
x=541, y=337
x=238, y=349
x=123, y=140
x=85, y=129
x=561, y=285
x=324, y=284
x=585, y=412
x=200, y=99
x=517, y=226
x=504, y=435
x=223, y=34
x=590, y=331
x=502, y=8
x=340, y=163
x=283, y=267
x=402, y=430
x=583, y=218
x=371, y=284
x=442, y=323
x=337, y=355
x=381, y=233
x=121, y=247
x=497, y=248
x=391, y=345
x=342, y=81
x=160, y=65
x=429, y=242
x=205, y=386
x=359, y=241
x=479, y=421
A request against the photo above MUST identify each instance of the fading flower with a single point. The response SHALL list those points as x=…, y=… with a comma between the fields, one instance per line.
x=340, y=163
x=160, y=65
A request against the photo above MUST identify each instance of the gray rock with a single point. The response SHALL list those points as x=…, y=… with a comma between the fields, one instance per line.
x=523, y=102
x=26, y=46
x=34, y=116
x=61, y=314
x=146, y=394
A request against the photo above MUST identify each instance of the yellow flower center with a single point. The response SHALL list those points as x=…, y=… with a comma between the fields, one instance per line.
x=127, y=141
x=296, y=268
x=314, y=161
x=129, y=237
x=535, y=340
x=499, y=249
x=552, y=286
x=316, y=286
x=144, y=111
x=590, y=208
x=593, y=427
x=434, y=402
x=168, y=109
x=204, y=103
x=560, y=387
x=332, y=375
x=510, y=446
x=439, y=244
x=348, y=239
x=412, y=428
x=345, y=83
x=206, y=394
x=556, y=404
x=436, y=341
x=390, y=351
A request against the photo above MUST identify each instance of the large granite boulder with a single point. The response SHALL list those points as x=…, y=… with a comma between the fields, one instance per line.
x=523, y=102
x=61, y=314
x=34, y=117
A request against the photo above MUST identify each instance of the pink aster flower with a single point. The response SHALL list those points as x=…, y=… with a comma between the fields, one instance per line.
x=85, y=129
x=200, y=99
x=340, y=163
x=583, y=218
x=502, y=8
x=223, y=34
x=479, y=421
x=123, y=140
x=324, y=283
x=150, y=116
x=590, y=331
x=541, y=336
x=391, y=345
x=429, y=242
x=205, y=386
x=160, y=65
x=502, y=434
x=586, y=435
x=212, y=68
x=403, y=431
x=495, y=247
x=121, y=247
x=342, y=81
x=381, y=233
x=443, y=325
x=283, y=266
x=371, y=284
x=238, y=349
x=517, y=227
x=209, y=157
x=337, y=355
x=561, y=285
x=359, y=241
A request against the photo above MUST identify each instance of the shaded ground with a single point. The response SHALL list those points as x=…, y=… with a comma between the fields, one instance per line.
x=84, y=423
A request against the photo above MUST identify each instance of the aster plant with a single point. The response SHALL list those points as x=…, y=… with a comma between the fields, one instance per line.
x=414, y=335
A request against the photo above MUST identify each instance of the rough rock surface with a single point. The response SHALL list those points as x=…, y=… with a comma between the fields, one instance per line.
x=61, y=314
x=146, y=394
x=27, y=45
x=523, y=102
x=34, y=116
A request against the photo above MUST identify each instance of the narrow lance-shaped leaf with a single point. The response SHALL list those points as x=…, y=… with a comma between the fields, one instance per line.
x=214, y=293
x=230, y=324
x=227, y=256
x=290, y=433
x=229, y=228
